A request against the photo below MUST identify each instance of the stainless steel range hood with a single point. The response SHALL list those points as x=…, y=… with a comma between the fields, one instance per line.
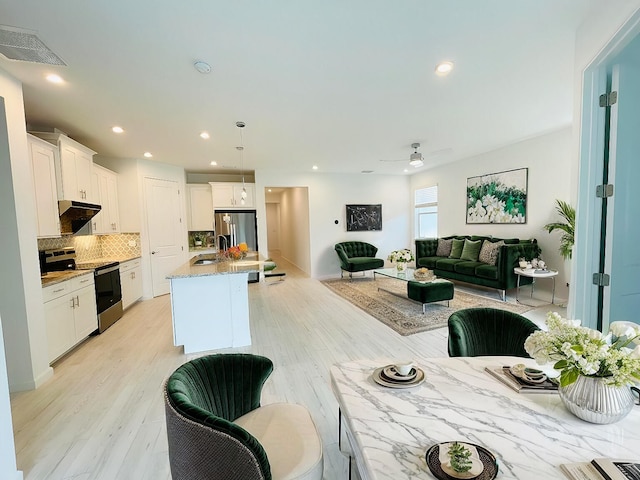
x=76, y=215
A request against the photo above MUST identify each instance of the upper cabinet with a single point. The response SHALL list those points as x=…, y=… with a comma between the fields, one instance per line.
x=75, y=164
x=43, y=160
x=104, y=186
x=229, y=195
x=200, y=212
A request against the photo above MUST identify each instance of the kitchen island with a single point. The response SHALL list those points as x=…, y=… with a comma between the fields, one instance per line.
x=210, y=302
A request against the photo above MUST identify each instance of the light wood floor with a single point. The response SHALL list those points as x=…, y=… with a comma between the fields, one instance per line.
x=102, y=416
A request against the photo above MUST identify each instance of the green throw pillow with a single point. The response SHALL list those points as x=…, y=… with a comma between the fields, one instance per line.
x=456, y=248
x=471, y=250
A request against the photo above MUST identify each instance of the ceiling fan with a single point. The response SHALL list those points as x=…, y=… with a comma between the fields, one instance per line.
x=415, y=159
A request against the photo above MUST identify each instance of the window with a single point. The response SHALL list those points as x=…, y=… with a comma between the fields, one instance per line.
x=426, y=212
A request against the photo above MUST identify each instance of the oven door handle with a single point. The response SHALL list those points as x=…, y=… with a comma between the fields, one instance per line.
x=106, y=270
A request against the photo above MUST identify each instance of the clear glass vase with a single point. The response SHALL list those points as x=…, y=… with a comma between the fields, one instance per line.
x=401, y=266
x=593, y=400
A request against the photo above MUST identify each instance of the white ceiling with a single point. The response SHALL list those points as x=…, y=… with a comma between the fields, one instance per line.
x=340, y=84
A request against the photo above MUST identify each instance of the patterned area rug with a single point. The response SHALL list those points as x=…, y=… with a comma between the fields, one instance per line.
x=404, y=315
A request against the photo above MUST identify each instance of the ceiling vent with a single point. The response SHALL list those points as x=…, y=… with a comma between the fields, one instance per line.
x=25, y=46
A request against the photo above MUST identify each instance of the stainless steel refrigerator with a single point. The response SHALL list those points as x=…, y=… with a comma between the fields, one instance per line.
x=236, y=226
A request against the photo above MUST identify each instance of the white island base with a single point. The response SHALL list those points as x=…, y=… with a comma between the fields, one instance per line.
x=210, y=312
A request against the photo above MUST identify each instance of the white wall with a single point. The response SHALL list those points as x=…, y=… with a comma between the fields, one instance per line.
x=21, y=305
x=328, y=195
x=548, y=159
x=8, y=467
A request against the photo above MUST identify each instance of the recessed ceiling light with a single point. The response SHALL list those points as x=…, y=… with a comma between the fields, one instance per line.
x=444, y=68
x=406, y=171
x=213, y=163
x=53, y=78
x=315, y=167
x=148, y=154
x=205, y=135
x=117, y=129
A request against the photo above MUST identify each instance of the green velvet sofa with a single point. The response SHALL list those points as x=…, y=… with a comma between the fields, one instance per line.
x=498, y=275
x=357, y=257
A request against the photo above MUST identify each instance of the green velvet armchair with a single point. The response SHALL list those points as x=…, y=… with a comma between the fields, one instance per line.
x=475, y=332
x=217, y=429
x=357, y=257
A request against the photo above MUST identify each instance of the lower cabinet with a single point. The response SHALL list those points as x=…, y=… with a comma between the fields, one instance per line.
x=131, y=282
x=70, y=313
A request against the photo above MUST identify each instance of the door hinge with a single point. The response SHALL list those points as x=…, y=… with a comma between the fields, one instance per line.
x=601, y=279
x=608, y=99
x=603, y=191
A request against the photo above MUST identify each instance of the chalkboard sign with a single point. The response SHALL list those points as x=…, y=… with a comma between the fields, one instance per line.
x=364, y=217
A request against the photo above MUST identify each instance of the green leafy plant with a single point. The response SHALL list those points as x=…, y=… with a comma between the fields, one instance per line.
x=578, y=350
x=568, y=213
x=460, y=457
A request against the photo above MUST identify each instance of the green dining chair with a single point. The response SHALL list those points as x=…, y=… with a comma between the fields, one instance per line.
x=475, y=332
x=217, y=429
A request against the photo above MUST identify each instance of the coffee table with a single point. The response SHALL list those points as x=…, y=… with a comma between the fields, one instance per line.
x=421, y=291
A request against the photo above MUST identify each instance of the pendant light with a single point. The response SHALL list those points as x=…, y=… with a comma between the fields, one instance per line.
x=243, y=195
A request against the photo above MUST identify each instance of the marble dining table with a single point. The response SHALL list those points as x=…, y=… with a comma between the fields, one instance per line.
x=387, y=431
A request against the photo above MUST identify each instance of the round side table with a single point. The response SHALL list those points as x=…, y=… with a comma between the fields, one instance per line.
x=535, y=274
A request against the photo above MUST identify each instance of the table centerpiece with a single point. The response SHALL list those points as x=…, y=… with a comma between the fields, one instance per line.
x=237, y=252
x=597, y=371
x=401, y=258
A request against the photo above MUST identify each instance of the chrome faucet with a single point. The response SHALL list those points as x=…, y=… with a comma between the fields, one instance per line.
x=226, y=244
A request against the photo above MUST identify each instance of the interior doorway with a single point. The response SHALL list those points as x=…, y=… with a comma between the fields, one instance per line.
x=287, y=219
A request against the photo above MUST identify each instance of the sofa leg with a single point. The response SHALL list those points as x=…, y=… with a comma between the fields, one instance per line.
x=504, y=295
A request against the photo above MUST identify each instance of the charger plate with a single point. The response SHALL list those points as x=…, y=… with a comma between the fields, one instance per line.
x=486, y=457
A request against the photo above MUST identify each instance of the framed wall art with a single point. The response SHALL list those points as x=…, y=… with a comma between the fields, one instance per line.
x=364, y=217
x=498, y=197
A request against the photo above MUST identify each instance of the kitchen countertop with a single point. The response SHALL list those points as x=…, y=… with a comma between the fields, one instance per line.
x=251, y=263
x=52, y=278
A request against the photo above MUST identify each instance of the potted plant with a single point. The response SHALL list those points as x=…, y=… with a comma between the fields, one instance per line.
x=568, y=213
x=597, y=371
x=401, y=257
x=198, y=238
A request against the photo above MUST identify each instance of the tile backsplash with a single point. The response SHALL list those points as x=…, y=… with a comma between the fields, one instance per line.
x=90, y=247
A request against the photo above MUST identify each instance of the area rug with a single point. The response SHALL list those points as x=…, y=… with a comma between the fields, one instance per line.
x=404, y=315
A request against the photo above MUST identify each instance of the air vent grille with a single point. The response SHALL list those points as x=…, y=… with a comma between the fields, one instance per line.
x=25, y=46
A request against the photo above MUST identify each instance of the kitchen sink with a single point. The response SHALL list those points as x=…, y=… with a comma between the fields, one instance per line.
x=205, y=261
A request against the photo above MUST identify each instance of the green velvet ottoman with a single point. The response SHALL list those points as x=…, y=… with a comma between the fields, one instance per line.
x=436, y=291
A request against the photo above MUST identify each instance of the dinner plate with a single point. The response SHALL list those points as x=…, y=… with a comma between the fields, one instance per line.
x=487, y=458
x=380, y=380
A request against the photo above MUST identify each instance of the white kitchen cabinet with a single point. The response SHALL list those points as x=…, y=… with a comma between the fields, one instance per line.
x=229, y=195
x=131, y=282
x=105, y=187
x=73, y=170
x=199, y=209
x=70, y=313
x=43, y=160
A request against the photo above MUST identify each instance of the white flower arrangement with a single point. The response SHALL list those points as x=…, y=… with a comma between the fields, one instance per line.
x=404, y=255
x=578, y=350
